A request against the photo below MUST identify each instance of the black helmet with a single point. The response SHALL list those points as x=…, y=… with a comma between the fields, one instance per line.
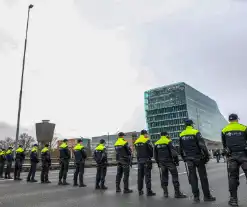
x=65, y=140
x=233, y=117
x=102, y=141
x=79, y=140
x=35, y=145
x=10, y=148
x=163, y=134
x=121, y=134
x=188, y=122
x=143, y=132
x=46, y=145
x=20, y=145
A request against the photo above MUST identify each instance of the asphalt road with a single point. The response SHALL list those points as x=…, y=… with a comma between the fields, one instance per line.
x=21, y=194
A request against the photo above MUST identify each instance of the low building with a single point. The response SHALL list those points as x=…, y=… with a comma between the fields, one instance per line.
x=73, y=141
x=112, y=138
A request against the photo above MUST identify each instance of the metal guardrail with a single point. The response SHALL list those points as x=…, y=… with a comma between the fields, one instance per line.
x=56, y=165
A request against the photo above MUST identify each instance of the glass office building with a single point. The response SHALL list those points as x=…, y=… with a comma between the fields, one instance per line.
x=167, y=107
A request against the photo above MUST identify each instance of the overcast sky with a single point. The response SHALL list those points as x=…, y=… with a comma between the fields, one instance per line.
x=89, y=62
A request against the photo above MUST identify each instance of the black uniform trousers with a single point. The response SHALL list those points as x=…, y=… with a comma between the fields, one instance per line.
x=64, y=167
x=144, y=170
x=79, y=170
x=200, y=166
x=234, y=163
x=171, y=167
x=8, y=169
x=2, y=163
x=18, y=168
x=101, y=173
x=123, y=169
x=32, y=171
x=44, y=176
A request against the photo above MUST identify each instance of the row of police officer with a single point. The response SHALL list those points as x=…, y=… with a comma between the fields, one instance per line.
x=6, y=157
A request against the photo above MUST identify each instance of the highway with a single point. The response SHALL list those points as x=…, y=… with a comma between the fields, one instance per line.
x=23, y=194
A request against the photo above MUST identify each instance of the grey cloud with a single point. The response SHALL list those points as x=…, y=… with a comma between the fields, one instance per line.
x=7, y=130
x=207, y=50
x=202, y=43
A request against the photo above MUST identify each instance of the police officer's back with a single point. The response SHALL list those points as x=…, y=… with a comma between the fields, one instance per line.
x=19, y=159
x=194, y=152
x=80, y=157
x=9, y=159
x=234, y=138
x=2, y=161
x=33, y=161
x=100, y=157
x=124, y=158
x=167, y=159
x=46, y=163
x=144, y=151
x=64, y=162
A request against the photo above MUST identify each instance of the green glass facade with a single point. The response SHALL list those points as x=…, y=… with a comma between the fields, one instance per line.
x=167, y=107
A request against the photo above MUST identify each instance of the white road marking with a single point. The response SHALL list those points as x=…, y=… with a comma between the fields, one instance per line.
x=241, y=174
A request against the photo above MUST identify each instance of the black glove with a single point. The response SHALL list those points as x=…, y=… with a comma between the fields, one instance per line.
x=227, y=152
x=206, y=159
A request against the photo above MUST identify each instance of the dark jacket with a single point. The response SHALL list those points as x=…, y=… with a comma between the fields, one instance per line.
x=192, y=145
x=123, y=152
x=144, y=149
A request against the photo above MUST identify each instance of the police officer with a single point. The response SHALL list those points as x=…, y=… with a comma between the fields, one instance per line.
x=33, y=161
x=9, y=159
x=19, y=159
x=46, y=163
x=123, y=158
x=144, y=151
x=217, y=155
x=64, y=162
x=100, y=157
x=194, y=152
x=234, y=137
x=167, y=159
x=80, y=156
x=2, y=161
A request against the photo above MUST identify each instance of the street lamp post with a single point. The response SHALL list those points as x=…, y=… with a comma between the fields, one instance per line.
x=22, y=76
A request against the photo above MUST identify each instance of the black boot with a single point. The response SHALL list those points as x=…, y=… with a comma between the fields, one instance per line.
x=127, y=191
x=118, y=189
x=47, y=181
x=97, y=187
x=82, y=185
x=141, y=192
x=150, y=193
x=233, y=202
x=196, y=199
x=65, y=182
x=75, y=184
x=60, y=182
x=33, y=181
x=209, y=198
x=103, y=187
x=178, y=193
x=165, y=189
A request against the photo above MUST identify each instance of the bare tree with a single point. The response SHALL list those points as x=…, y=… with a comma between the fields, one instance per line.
x=7, y=142
x=26, y=141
